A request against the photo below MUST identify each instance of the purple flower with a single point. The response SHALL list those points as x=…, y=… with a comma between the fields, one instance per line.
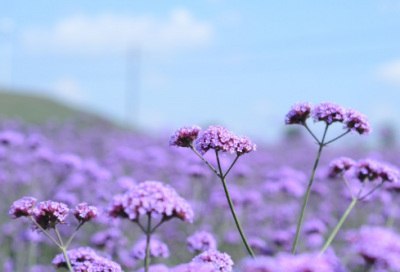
x=220, y=261
x=314, y=226
x=218, y=138
x=367, y=169
x=22, y=207
x=157, y=249
x=154, y=198
x=389, y=173
x=374, y=170
x=84, y=213
x=201, y=241
x=184, y=136
x=309, y=262
x=378, y=246
x=299, y=113
x=261, y=264
x=357, y=122
x=329, y=112
x=259, y=246
x=11, y=138
x=340, y=165
x=244, y=145
x=194, y=267
x=48, y=214
x=85, y=259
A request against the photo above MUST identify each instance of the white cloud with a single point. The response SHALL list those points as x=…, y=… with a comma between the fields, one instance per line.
x=68, y=90
x=390, y=72
x=112, y=33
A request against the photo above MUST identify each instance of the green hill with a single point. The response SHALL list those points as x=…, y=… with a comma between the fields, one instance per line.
x=36, y=108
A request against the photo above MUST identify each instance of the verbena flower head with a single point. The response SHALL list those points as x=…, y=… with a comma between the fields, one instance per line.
x=221, y=139
x=357, y=122
x=218, y=138
x=85, y=259
x=367, y=169
x=340, y=165
x=11, y=138
x=184, y=136
x=244, y=145
x=201, y=241
x=378, y=246
x=375, y=170
x=84, y=213
x=299, y=113
x=48, y=214
x=155, y=268
x=154, y=198
x=221, y=261
x=329, y=112
x=157, y=249
x=22, y=207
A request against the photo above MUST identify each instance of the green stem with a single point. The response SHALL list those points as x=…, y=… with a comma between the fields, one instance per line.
x=58, y=236
x=340, y=136
x=64, y=251
x=148, y=234
x=303, y=208
x=239, y=227
x=204, y=160
x=45, y=232
x=72, y=236
x=227, y=172
x=339, y=225
x=312, y=134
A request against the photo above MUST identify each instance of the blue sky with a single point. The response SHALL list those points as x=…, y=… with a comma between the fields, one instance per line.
x=236, y=63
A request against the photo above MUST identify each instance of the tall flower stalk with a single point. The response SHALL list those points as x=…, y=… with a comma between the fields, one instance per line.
x=47, y=215
x=366, y=170
x=221, y=140
x=328, y=113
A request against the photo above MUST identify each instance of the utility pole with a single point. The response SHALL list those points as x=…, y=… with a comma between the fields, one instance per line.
x=132, y=96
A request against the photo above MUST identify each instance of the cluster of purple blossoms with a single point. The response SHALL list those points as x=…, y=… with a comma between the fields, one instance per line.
x=85, y=259
x=375, y=170
x=378, y=246
x=339, y=166
x=184, y=136
x=221, y=261
x=299, y=113
x=84, y=213
x=153, y=198
x=329, y=112
x=357, y=122
x=22, y=207
x=157, y=249
x=48, y=214
x=221, y=139
x=201, y=241
x=11, y=138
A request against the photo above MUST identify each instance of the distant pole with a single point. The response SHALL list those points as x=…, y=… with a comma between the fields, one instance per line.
x=6, y=46
x=132, y=97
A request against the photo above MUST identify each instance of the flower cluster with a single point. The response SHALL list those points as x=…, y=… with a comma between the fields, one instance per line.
x=194, y=267
x=201, y=241
x=329, y=112
x=378, y=246
x=22, y=207
x=340, y=165
x=184, y=136
x=48, y=214
x=221, y=139
x=221, y=261
x=357, y=122
x=375, y=170
x=157, y=249
x=84, y=213
x=151, y=197
x=299, y=113
x=86, y=259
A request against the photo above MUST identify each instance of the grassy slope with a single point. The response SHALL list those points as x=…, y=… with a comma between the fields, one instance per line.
x=35, y=109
